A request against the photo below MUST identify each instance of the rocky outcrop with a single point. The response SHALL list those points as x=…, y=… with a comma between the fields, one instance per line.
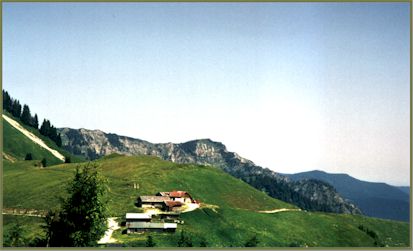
x=307, y=194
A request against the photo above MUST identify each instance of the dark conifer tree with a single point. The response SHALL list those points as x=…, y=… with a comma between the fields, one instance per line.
x=29, y=156
x=16, y=108
x=7, y=101
x=68, y=159
x=80, y=224
x=45, y=128
x=58, y=140
x=26, y=117
x=35, y=123
x=53, y=133
x=44, y=162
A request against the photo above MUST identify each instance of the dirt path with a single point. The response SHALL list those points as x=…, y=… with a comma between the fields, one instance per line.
x=9, y=157
x=107, y=238
x=33, y=137
x=24, y=212
x=112, y=226
x=190, y=207
x=210, y=206
x=280, y=210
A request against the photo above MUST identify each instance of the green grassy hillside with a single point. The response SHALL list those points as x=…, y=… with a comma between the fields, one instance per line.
x=208, y=184
x=229, y=216
x=233, y=227
x=17, y=145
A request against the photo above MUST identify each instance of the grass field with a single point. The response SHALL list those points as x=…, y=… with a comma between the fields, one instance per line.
x=233, y=227
x=232, y=222
x=39, y=188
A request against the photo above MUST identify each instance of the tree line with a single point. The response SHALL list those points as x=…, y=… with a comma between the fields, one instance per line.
x=14, y=107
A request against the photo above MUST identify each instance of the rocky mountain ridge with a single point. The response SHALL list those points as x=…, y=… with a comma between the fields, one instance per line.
x=375, y=199
x=309, y=194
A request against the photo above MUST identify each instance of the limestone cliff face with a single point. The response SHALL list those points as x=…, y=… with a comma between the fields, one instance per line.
x=307, y=194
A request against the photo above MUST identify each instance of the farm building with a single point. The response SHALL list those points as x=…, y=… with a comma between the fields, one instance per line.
x=181, y=196
x=150, y=226
x=138, y=217
x=152, y=201
x=162, y=194
x=172, y=205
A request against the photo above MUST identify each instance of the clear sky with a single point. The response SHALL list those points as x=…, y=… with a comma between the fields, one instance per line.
x=291, y=86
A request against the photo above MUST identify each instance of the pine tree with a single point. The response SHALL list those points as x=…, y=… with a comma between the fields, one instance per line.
x=7, y=101
x=67, y=159
x=28, y=156
x=58, y=140
x=44, y=162
x=53, y=133
x=50, y=131
x=45, y=128
x=82, y=221
x=35, y=123
x=26, y=116
x=16, y=108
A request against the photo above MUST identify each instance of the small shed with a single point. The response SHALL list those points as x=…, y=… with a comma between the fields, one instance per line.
x=151, y=226
x=137, y=217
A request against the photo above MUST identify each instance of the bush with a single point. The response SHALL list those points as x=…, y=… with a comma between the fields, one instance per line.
x=14, y=238
x=185, y=240
x=44, y=162
x=253, y=242
x=28, y=156
x=150, y=242
x=372, y=234
x=203, y=242
x=68, y=159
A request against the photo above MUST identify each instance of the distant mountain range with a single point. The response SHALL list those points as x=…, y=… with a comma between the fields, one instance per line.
x=309, y=194
x=405, y=189
x=374, y=199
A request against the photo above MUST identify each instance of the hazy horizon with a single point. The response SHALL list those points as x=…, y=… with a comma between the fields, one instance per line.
x=293, y=87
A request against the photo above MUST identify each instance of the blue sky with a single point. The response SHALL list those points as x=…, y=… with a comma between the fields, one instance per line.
x=291, y=86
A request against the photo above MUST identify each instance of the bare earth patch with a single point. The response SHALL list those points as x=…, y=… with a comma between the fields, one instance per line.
x=279, y=210
x=210, y=206
x=112, y=226
x=188, y=207
x=9, y=157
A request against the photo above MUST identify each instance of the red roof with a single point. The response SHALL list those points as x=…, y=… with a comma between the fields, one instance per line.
x=178, y=194
x=173, y=203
